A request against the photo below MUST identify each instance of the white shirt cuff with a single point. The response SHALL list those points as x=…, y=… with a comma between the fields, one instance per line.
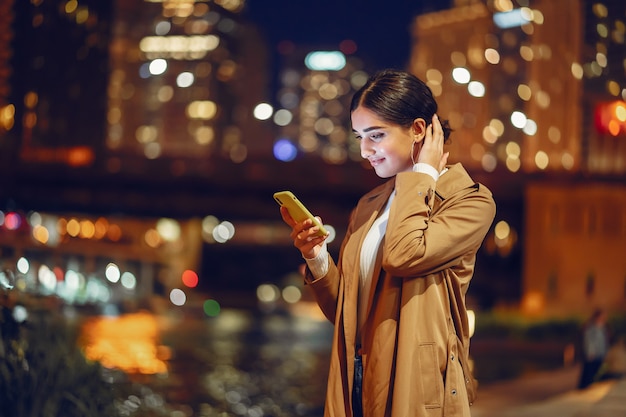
x=319, y=265
x=425, y=168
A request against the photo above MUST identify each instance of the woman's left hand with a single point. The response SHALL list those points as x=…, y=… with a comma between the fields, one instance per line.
x=432, y=147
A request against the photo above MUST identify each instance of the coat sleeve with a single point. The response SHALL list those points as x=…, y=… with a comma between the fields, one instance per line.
x=420, y=241
x=327, y=289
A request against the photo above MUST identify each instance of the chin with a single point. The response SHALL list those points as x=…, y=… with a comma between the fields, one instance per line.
x=384, y=173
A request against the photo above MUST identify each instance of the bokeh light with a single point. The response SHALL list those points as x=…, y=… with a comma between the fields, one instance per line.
x=169, y=229
x=23, y=266
x=263, y=111
x=157, y=67
x=190, y=278
x=285, y=150
x=12, y=221
x=128, y=280
x=112, y=272
x=461, y=75
x=178, y=297
x=211, y=308
x=291, y=294
x=267, y=293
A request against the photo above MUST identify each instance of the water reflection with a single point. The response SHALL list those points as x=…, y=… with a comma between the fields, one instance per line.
x=239, y=363
x=128, y=343
x=265, y=362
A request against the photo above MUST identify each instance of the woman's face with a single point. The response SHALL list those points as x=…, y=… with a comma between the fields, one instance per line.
x=386, y=146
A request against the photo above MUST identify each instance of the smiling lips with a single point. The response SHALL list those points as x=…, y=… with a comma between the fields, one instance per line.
x=376, y=161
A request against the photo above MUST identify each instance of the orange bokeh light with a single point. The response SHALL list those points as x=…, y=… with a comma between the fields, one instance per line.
x=80, y=156
x=129, y=343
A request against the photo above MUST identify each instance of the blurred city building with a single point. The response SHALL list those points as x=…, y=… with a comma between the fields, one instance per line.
x=536, y=92
x=315, y=89
x=185, y=77
x=140, y=140
x=135, y=140
x=7, y=110
x=117, y=117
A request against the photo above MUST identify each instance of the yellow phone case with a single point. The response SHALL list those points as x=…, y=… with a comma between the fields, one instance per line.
x=297, y=210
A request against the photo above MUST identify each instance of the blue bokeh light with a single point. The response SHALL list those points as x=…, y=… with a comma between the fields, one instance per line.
x=284, y=150
x=144, y=70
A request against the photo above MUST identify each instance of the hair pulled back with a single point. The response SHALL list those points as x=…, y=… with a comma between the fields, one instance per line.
x=398, y=97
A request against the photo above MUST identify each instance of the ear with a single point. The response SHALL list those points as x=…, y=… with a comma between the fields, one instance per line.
x=418, y=129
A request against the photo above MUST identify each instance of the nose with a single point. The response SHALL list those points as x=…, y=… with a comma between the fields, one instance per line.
x=366, y=148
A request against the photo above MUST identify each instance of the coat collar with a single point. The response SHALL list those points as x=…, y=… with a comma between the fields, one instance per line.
x=371, y=204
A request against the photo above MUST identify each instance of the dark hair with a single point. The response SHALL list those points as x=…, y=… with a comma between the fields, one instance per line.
x=398, y=97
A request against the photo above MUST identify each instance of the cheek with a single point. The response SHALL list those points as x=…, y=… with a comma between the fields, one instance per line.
x=402, y=149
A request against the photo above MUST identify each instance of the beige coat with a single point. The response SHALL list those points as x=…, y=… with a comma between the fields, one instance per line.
x=415, y=343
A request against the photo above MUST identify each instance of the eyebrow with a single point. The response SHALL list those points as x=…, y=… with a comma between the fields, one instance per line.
x=369, y=129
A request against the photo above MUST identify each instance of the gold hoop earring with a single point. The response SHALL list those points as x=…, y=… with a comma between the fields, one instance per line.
x=413, y=151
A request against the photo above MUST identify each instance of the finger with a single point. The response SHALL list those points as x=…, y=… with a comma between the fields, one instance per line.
x=444, y=161
x=303, y=231
x=319, y=219
x=437, y=128
x=429, y=133
x=287, y=217
x=307, y=230
x=307, y=240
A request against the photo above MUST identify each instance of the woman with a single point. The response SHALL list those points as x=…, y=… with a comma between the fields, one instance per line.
x=397, y=293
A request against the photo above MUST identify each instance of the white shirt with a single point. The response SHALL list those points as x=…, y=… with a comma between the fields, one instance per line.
x=368, y=258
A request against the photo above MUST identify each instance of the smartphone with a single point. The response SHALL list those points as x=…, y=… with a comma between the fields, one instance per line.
x=297, y=210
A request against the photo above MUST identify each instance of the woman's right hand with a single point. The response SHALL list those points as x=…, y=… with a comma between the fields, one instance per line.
x=304, y=235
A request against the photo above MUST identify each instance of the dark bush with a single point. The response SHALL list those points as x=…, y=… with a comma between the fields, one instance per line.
x=44, y=374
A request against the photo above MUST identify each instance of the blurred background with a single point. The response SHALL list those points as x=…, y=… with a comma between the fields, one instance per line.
x=141, y=142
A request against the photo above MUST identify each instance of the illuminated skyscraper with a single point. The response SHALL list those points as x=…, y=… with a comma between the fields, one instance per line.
x=185, y=77
x=535, y=91
x=503, y=68
x=102, y=92
x=497, y=83
x=603, y=71
x=58, y=81
x=7, y=105
x=106, y=91
x=7, y=109
x=313, y=117
x=452, y=42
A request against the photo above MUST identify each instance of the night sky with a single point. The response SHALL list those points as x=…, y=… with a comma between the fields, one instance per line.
x=381, y=29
